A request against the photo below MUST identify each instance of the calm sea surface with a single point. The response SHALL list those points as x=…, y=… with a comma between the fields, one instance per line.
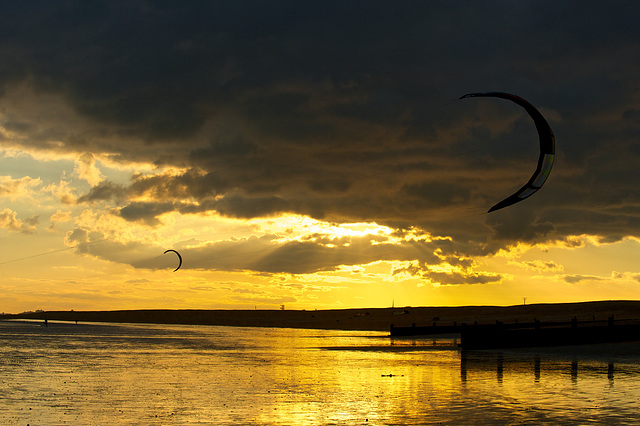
x=160, y=374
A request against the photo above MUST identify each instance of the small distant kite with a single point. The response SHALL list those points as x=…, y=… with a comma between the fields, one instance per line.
x=547, y=149
x=179, y=258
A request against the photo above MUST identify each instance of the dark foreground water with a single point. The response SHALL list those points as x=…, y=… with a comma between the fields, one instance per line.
x=158, y=374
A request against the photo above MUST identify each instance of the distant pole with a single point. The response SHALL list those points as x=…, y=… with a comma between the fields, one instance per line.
x=524, y=300
x=393, y=303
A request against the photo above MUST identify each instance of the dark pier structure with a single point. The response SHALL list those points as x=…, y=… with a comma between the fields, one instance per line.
x=530, y=334
x=431, y=330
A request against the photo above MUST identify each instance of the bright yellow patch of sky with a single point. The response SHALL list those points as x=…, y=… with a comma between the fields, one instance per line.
x=40, y=267
x=40, y=273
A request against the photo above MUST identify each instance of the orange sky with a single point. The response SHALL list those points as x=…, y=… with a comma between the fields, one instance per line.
x=297, y=159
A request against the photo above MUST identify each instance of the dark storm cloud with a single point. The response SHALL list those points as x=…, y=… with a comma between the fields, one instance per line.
x=145, y=212
x=105, y=190
x=448, y=278
x=344, y=110
x=268, y=254
x=573, y=279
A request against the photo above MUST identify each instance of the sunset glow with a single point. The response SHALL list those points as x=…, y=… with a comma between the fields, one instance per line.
x=288, y=171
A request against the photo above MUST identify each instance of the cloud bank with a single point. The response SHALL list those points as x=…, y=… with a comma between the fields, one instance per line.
x=339, y=111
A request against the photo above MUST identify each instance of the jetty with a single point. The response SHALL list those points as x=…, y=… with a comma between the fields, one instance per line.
x=530, y=334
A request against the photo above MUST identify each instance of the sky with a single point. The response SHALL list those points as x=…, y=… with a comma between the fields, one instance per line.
x=315, y=155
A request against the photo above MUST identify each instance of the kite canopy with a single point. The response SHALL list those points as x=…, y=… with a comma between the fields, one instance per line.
x=179, y=258
x=547, y=149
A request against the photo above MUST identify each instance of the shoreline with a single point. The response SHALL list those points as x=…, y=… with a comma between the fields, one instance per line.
x=364, y=319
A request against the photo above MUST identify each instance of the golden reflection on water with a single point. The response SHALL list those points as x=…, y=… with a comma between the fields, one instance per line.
x=147, y=374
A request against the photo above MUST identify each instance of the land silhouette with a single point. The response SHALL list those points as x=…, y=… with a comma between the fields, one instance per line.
x=372, y=319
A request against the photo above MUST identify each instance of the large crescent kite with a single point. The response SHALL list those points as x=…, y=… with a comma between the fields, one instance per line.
x=179, y=258
x=547, y=149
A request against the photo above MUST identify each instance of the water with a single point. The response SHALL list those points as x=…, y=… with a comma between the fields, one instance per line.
x=160, y=374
